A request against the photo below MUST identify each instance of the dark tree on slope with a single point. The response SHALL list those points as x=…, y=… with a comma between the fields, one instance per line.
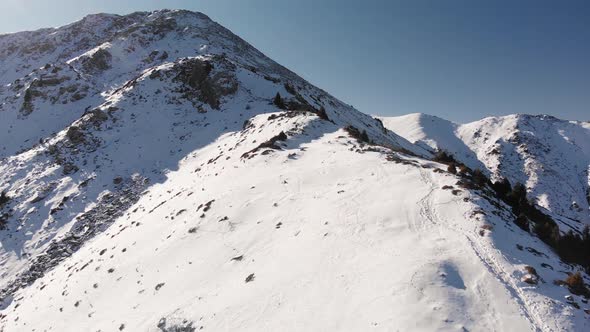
x=574, y=248
x=28, y=96
x=278, y=101
x=575, y=283
x=364, y=137
x=479, y=178
x=543, y=225
x=444, y=157
x=502, y=187
x=452, y=169
x=3, y=221
x=322, y=114
x=523, y=222
x=3, y=198
x=3, y=216
x=517, y=196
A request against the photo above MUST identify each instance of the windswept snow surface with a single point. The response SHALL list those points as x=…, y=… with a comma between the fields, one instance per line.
x=326, y=254
x=154, y=186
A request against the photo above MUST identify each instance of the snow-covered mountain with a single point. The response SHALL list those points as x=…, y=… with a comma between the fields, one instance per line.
x=548, y=155
x=161, y=174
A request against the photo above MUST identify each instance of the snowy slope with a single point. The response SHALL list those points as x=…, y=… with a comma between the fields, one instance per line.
x=156, y=185
x=324, y=253
x=550, y=156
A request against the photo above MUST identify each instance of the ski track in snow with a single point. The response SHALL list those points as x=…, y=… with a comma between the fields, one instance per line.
x=428, y=212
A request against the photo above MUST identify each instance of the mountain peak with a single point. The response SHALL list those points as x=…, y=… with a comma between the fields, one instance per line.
x=146, y=15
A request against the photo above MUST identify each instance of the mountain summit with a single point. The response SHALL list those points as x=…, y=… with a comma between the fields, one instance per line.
x=159, y=173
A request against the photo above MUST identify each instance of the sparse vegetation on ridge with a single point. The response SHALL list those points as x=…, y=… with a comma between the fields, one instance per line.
x=571, y=247
x=3, y=198
x=354, y=132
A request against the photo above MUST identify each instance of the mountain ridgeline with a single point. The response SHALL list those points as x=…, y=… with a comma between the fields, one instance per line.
x=158, y=173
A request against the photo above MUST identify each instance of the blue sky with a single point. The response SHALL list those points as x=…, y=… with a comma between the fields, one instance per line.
x=461, y=60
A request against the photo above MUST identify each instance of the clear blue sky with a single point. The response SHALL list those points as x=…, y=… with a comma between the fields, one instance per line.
x=461, y=60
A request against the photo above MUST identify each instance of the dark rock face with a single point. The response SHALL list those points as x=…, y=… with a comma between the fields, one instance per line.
x=97, y=62
x=205, y=84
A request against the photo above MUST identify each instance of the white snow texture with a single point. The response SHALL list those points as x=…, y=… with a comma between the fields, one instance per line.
x=155, y=184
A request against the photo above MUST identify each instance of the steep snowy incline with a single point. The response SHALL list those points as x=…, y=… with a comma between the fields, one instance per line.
x=323, y=234
x=71, y=184
x=134, y=138
x=51, y=77
x=550, y=156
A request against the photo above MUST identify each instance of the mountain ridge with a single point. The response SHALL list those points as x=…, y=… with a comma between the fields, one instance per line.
x=178, y=179
x=530, y=149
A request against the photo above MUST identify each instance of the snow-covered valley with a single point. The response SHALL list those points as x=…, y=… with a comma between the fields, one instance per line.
x=161, y=174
